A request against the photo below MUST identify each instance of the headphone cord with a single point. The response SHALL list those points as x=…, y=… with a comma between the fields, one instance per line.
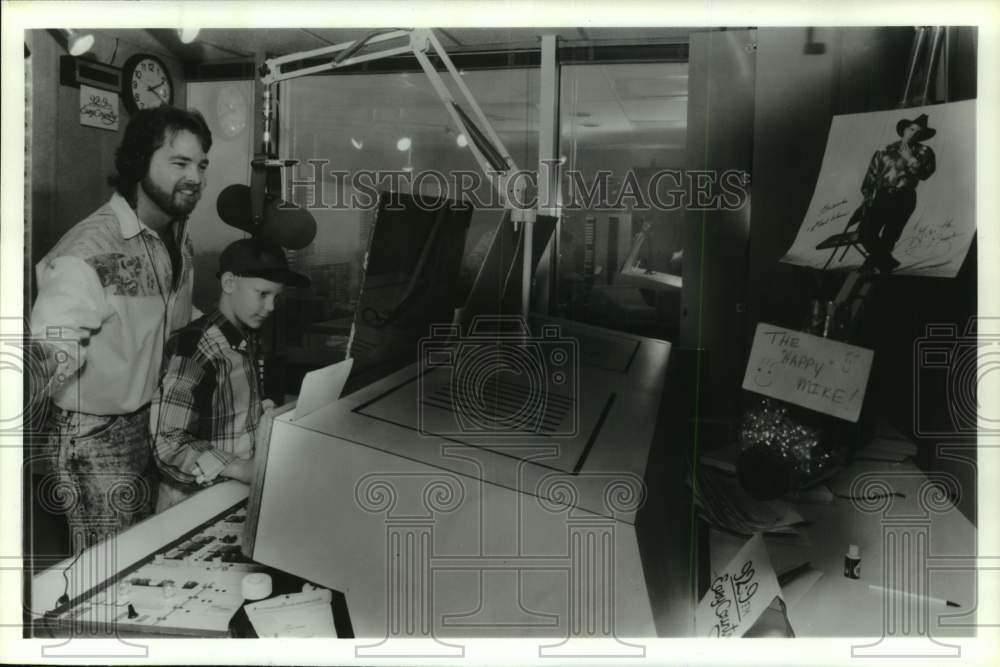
x=49, y=617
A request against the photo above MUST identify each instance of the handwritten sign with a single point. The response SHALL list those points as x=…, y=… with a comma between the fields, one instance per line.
x=739, y=594
x=98, y=108
x=817, y=373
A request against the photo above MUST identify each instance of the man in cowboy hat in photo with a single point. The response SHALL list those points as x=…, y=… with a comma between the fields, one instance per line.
x=890, y=190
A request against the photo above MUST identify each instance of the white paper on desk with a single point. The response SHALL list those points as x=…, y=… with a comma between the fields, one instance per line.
x=739, y=594
x=293, y=615
x=796, y=589
x=321, y=387
x=723, y=503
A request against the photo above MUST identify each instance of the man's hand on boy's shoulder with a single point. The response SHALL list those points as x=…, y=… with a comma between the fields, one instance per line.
x=240, y=469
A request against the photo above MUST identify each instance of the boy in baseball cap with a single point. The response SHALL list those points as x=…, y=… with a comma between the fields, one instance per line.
x=205, y=415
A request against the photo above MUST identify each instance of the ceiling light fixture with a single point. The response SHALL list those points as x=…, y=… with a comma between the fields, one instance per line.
x=80, y=43
x=75, y=42
x=188, y=35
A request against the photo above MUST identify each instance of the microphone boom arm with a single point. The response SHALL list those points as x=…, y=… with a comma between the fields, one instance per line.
x=487, y=148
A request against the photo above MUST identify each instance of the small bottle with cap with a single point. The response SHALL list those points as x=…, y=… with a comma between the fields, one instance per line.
x=852, y=562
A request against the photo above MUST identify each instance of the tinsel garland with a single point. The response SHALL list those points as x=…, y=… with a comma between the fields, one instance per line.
x=769, y=424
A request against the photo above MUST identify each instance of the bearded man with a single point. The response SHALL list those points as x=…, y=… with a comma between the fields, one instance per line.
x=110, y=292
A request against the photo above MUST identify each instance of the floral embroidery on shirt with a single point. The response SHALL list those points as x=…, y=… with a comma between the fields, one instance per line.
x=123, y=273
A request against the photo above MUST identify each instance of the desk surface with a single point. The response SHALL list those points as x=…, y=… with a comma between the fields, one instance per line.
x=919, y=541
x=607, y=428
x=492, y=518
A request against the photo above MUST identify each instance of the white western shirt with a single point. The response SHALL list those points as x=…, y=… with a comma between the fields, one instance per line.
x=106, y=304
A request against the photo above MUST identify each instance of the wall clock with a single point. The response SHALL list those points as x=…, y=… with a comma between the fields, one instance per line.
x=146, y=83
x=231, y=110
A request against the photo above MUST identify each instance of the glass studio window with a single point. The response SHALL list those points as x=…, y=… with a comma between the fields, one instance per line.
x=354, y=134
x=619, y=261
x=622, y=128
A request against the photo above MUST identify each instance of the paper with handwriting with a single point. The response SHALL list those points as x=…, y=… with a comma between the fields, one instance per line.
x=98, y=108
x=306, y=614
x=739, y=594
x=940, y=228
x=817, y=373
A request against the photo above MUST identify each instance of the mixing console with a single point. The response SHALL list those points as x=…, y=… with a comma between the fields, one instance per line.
x=190, y=587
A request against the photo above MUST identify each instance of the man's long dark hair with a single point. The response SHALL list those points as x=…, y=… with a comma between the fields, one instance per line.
x=147, y=131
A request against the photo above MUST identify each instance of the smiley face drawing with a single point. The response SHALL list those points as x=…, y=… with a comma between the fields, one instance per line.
x=764, y=374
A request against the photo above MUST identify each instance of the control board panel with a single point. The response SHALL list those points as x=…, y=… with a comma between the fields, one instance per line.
x=189, y=587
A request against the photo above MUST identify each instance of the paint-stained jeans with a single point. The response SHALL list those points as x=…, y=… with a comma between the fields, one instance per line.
x=104, y=476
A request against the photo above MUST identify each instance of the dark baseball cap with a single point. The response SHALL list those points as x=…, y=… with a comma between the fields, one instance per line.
x=255, y=258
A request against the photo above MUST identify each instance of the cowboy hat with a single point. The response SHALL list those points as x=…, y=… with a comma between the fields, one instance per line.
x=923, y=133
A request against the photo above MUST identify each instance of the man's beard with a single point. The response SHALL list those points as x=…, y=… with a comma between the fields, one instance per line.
x=173, y=203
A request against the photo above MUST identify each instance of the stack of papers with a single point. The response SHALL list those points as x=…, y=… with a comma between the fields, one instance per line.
x=890, y=450
x=723, y=503
x=723, y=458
x=888, y=443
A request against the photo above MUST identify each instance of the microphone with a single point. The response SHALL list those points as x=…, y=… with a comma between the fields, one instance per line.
x=233, y=206
x=290, y=226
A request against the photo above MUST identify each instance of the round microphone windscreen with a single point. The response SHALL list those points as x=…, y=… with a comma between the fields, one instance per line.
x=288, y=225
x=233, y=206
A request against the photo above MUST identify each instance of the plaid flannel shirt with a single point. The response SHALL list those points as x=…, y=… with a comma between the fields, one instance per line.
x=208, y=407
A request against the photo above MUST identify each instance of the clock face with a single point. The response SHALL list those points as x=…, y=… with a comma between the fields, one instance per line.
x=231, y=110
x=148, y=82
